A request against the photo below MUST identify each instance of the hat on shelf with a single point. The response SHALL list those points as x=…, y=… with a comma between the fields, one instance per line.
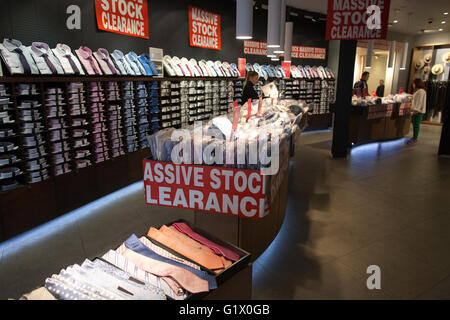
x=426, y=69
x=446, y=57
x=437, y=69
x=427, y=58
x=420, y=64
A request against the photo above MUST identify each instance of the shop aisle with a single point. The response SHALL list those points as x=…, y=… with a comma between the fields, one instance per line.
x=388, y=206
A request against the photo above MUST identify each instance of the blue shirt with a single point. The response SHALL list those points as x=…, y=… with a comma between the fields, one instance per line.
x=148, y=64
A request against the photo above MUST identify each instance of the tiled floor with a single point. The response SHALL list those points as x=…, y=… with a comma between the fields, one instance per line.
x=387, y=205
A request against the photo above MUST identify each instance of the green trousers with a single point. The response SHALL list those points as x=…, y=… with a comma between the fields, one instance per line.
x=416, y=119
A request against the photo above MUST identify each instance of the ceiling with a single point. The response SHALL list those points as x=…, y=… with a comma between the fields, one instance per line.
x=421, y=12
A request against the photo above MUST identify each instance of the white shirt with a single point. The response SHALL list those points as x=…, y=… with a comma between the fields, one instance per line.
x=121, y=63
x=38, y=49
x=11, y=58
x=61, y=52
x=419, y=101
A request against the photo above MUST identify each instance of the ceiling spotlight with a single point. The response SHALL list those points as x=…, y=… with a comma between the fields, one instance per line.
x=314, y=20
x=389, y=24
x=443, y=22
x=395, y=21
x=440, y=29
x=445, y=13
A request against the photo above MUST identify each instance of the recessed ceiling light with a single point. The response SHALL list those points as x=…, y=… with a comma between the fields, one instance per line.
x=445, y=13
x=440, y=29
x=395, y=21
x=443, y=22
x=389, y=24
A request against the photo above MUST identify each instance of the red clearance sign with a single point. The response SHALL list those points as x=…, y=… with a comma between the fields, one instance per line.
x=204, y=29
x=300, y=52
x=220, y=190
x=309, y=53
x=129, y=17
x=255, y=48
x=351, y=20
x=241, y=66
x=286, y=66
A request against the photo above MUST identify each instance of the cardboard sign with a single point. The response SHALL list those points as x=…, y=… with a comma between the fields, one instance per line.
x=219, y=190
x=204, y=29
x=351, y=20
x=301, y=52
x=286, y=66
x=129, y=17
x=255, y=48
x=380, y=111
x=241, y=65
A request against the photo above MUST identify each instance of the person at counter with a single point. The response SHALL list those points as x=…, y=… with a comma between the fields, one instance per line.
x=362, y=83
x=418, y=108
x=380, y=89
x=249, y=87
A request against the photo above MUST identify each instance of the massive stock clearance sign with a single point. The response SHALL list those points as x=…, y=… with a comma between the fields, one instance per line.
x=300, y=52
x=228, y=191
x=357, y=19
x=204, y=29
x=129, y=17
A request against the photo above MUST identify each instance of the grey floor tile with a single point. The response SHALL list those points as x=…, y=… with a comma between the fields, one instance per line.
x=402, y=275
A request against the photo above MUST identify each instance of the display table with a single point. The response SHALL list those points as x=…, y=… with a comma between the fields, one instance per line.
x=379, y=122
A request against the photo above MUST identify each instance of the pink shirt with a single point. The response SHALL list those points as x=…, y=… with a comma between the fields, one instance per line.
x=88, y=61
x=105, y=62
x=169, y=273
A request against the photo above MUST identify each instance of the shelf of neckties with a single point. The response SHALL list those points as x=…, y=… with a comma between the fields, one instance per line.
x=114, y=117
x=29, y=101
x=80, y=131
x=129, y=117
x=57, y=128
x=95, y=98
x=10, y=155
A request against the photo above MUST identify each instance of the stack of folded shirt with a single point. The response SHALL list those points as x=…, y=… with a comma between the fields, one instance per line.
x=26, y=89
x=58, y=131
x=154, y=107
x=223, y=95
x=143, y=113
x=33, y=138
x=238, y=92
x=230, y=96
x=129, y=117
x=79, y=126
x=187, y=89
x=8, y=141
x=114, y=116
x=165, y=102
x=98, y=121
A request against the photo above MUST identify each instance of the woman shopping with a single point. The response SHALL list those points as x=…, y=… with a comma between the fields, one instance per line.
x=249, y=90
x=418, y=108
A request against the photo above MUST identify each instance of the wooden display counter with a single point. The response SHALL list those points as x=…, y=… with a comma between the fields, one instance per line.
x=378, y=123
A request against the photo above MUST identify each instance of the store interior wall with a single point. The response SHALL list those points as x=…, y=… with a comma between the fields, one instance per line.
x=432, y=38
x=333, y=56
x=45, y=20
x=377, y=73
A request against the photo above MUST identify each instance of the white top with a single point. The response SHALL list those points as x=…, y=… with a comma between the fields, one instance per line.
x=62, y=52
x=419, y=101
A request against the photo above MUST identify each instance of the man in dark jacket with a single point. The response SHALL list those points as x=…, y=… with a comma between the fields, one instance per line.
x=380, y=89
x=362, y=84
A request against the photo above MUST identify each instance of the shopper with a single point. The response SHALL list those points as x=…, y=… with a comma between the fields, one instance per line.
x=362, y=83
x=418, y=108
x=380, y=89
x=249, y=89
